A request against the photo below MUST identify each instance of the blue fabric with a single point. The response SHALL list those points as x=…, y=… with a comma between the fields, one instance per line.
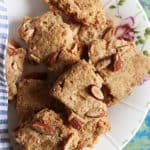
x=4, y=137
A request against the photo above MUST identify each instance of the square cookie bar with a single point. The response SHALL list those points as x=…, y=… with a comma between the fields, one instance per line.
x=33, y=95
x=15, y=58
x=121, y=65
x=46, y=131
x=45, y=34
x=84, y=86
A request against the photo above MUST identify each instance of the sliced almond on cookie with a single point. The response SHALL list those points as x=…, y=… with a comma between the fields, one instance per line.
x=103, y=64
x=117, y=63
x=108, y=34
x=67, y=141
x=53, y=58
x=43, y=128
x=76, y=121
x=96, y=92
x=96, y=113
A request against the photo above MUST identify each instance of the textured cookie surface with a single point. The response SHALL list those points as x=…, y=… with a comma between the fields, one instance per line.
x=80, y=90
x=32, y=97
x=14, y=68
x=45, y=34
x=60, y=61
x=73, y=88
x=87, y=34
x=86, y=12
x=46, y=132
x=117, y=63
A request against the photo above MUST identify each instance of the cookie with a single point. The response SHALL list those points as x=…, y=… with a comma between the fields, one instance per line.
x=46, y=34
x=15, y=58
x=79, y=89
x=46, y=131
x=78, y=79
x=117, y=62
x=86, y=12
x=33, y=95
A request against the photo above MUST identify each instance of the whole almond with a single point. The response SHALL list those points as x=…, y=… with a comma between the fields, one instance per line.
x=96, y=92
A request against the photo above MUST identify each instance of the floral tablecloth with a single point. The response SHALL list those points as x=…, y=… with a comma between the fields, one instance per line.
x=141, y=141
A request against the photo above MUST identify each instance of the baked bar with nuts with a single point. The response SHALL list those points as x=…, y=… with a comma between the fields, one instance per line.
x=121, y=65
x=15, y=58
x=46, y=34
x=46, y=131
x=79, y=89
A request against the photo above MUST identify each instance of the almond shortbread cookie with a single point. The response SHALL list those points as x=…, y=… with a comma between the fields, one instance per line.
x=80, y=80
x=121, y=66
x=33, y=95
x=47, y=131
x=14, y=68
x=80, y=90
x=86, y=12
x=46, y=34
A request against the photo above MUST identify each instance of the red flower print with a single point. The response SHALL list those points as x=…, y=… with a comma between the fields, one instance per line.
x=125, y=30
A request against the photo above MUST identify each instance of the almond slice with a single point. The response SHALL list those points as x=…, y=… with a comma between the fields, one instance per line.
x=12, y=51
x=103, y=64
x=76, y=123
x=53, y=58
x=96, y=113
x=96, y=92
x=43, y=128
x=67, y=141
x=117, y=63
x=108, y=34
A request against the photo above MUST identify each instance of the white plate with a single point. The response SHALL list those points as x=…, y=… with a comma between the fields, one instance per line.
x=125, y=117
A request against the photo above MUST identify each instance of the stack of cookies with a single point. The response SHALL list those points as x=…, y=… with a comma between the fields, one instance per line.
x=89, y=69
